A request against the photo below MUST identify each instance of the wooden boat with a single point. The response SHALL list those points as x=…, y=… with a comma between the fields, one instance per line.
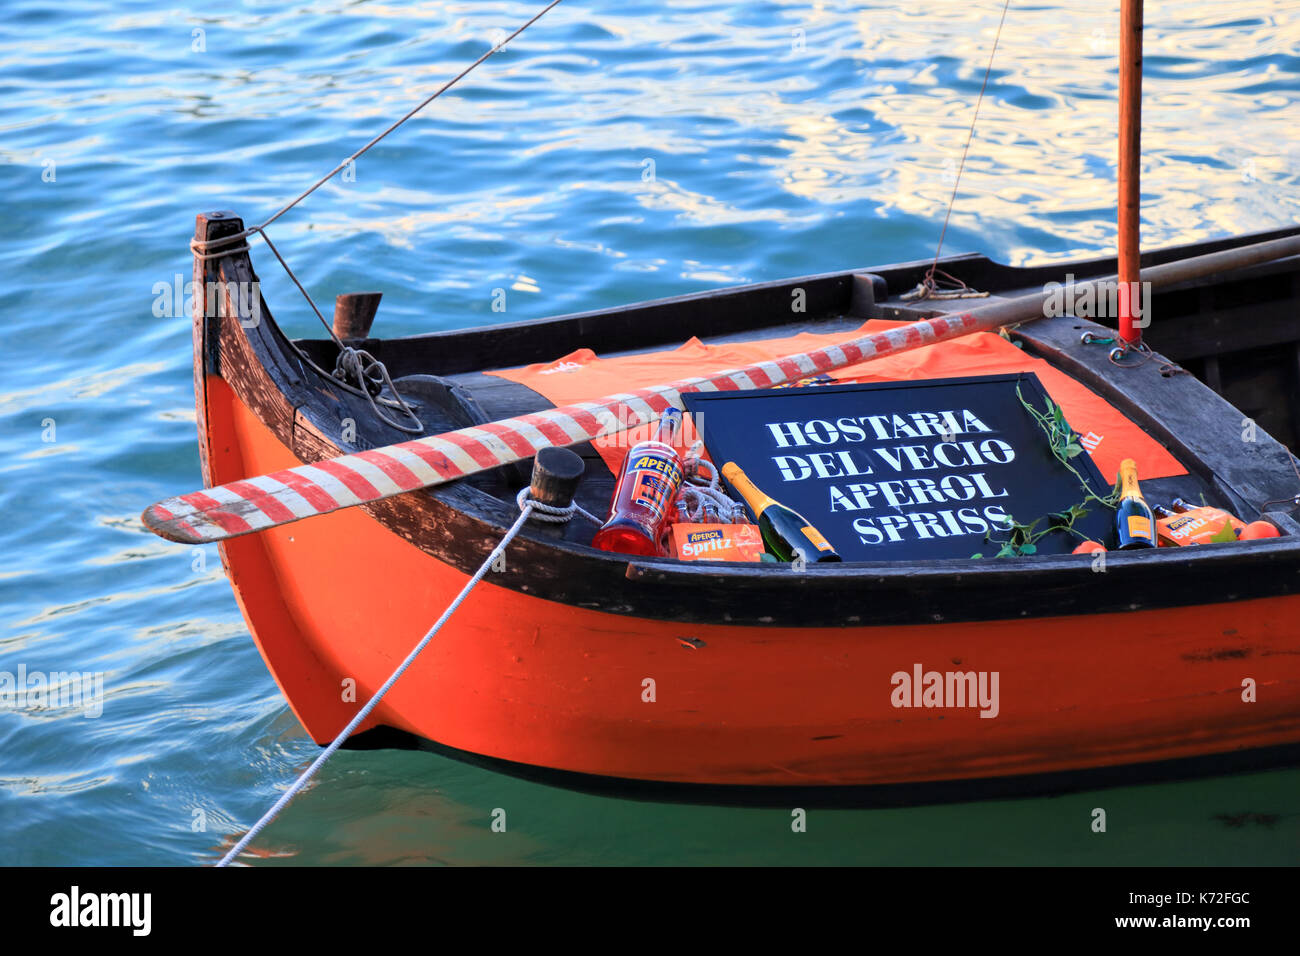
x=769, y=685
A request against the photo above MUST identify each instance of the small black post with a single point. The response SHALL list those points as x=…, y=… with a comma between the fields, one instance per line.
x=869, y=290
x=354, y=313
x=556, y=472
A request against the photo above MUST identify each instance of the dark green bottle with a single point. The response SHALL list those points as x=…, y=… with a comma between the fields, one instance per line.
x=1133, y=517
x=786, y=533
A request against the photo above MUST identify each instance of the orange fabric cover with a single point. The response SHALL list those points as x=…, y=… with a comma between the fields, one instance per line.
x=583, y=376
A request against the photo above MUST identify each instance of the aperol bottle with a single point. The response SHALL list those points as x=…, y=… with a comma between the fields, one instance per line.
x=647, y=484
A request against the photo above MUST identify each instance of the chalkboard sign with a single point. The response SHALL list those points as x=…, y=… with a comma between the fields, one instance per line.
x=904, y=470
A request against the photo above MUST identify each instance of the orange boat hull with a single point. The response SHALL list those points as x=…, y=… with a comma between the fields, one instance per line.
x=337, y=602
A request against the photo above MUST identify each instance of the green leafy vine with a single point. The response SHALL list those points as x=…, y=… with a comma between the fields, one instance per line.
x=1022, y=539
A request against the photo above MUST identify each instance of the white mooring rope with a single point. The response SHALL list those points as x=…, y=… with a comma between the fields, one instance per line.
x=550, y=513
x=527, y=507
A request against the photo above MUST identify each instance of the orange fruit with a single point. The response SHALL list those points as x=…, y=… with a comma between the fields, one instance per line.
x=1259, y=529
x=1088, y=547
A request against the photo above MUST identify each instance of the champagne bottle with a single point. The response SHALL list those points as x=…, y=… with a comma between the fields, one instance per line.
x=1133, y=516
x=787, y=534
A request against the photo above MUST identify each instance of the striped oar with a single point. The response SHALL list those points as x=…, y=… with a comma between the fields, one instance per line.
x=267, y=501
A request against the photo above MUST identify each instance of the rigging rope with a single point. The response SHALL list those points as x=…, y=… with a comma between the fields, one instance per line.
x=204, y=249
x=929, y=288
x=421, y=105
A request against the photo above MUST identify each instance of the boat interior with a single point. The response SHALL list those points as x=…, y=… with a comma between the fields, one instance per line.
x=1236, y=333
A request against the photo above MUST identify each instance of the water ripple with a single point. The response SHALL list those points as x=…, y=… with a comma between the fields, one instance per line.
x=614, y=153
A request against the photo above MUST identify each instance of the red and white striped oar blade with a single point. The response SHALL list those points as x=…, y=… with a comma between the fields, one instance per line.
x=240, y=507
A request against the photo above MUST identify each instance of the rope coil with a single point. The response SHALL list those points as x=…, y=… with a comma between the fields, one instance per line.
x=367, y=370
x=372, y=376
x=551, y=513
x=698, y=491
x=196, y=245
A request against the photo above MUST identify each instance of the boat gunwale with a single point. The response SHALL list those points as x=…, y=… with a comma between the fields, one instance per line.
x=1022, y=275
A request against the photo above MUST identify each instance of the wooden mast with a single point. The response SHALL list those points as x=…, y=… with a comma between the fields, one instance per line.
x=1130, y=156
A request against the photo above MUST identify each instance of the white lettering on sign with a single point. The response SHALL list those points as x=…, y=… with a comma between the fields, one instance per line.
x=925, y=525
x=896, y=503
x=818, y=431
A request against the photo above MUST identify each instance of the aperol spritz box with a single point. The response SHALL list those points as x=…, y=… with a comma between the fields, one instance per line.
x=1196, y=526
x=715, y=542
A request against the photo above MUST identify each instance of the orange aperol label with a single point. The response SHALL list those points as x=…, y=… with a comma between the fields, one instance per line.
x=716, y=542
x=1196, y=526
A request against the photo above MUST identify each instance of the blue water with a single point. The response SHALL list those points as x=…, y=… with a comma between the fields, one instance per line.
x=616, y=152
